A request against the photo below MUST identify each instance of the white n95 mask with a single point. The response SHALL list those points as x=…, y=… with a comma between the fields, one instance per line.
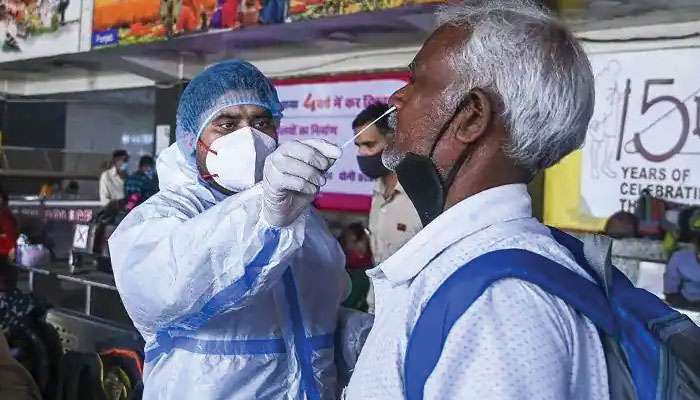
x=235, y=161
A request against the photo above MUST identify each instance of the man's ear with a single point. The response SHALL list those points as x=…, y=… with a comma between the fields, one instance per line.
x=471, y=123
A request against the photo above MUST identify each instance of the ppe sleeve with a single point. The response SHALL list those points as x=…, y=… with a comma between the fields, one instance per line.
x=8, y=234
x=176, y=273
x=353, y=329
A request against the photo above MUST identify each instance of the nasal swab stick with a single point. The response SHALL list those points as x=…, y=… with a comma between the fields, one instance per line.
x=352, y=140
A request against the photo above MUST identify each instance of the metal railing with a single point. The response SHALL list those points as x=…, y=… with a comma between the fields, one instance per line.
x=31, y=161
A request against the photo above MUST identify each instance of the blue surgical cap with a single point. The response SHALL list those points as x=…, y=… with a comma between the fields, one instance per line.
x=229, y=83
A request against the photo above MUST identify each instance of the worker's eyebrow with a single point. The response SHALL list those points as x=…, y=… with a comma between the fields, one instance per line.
x=238, y=115
x=229, y=115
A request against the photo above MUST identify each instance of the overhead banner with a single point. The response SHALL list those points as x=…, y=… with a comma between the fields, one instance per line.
x=39, y=28
x=311, y=9
x=125, y=22
x=645, y=132
x=325, y=108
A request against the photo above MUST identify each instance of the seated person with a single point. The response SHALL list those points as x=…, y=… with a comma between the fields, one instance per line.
x=622, y=225
x=682, y=276
x=142, y=184
x=8, y=227
x=358, y=258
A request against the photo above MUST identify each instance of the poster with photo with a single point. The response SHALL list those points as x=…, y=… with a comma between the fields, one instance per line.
x=311, y=9
x=126, y=22
x=39, y=28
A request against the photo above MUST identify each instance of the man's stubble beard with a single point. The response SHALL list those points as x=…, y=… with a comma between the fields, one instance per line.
x=391, y=157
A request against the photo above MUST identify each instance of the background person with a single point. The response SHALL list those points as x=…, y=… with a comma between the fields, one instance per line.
x=142, y=184
x=72, y=190
x=622, y=225
x=393, y=220
x=111, y=186
x=8, y=242
x=358, y=259
x=682, y=275
x=8, y=227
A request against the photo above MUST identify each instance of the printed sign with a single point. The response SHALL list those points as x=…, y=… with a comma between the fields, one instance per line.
x=326, y=109
x=645, y=132
x=80, y=238
x=38, y=28
x=61, y=214
x=311, y=9
x=124, y=22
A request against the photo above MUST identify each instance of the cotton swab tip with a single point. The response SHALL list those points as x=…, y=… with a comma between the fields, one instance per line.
x=352, y=140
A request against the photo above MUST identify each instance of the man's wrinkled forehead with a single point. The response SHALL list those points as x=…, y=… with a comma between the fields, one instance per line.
x=437, y=50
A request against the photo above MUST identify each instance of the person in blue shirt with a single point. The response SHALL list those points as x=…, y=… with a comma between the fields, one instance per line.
x=682, y=276
x=142, y=184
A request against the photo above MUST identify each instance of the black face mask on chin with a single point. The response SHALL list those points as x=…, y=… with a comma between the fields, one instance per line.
x=372, y=166
x=422, y=182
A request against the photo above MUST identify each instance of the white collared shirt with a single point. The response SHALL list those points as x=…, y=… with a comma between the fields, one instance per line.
x=515, y=341
x=111, y=186
x=393, y=221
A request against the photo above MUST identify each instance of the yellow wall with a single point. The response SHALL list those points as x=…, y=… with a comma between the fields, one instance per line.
x=562, y=182
x=562, y=197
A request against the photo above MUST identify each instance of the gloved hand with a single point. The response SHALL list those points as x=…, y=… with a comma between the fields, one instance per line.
x=292, y=177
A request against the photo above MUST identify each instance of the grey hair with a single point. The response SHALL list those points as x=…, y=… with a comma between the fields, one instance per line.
x=534, y=66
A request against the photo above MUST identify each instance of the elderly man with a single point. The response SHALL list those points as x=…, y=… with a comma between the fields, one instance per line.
x=234, y=285
x=500, y=91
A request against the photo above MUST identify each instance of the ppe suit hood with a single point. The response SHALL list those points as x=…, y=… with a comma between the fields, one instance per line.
x=173, y=169
x=226, y=84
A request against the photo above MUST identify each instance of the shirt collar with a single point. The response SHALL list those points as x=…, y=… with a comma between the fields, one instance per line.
x=380, y=188
x=398, y=188
x=499, y=204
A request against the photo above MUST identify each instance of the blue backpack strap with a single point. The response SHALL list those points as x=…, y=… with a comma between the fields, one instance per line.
x=575, y=246
x=469, y=282
x=645, y=325
x=643, y=304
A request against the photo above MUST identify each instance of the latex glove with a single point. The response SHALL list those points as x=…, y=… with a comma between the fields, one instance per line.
x=292, y=177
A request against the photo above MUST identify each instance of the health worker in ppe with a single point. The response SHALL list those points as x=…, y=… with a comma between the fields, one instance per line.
x=234, y=283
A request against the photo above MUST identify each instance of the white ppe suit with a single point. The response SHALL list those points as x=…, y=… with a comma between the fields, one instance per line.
x=229, y=306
